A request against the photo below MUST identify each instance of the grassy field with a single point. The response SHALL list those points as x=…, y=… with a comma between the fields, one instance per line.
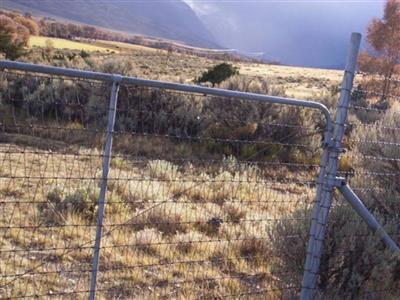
x=167, y=243
x=40, y=41
x=125, y=47
x=298, y=82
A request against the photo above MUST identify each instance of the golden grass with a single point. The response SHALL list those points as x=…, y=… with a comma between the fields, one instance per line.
x=40, y=41
x=292, y=71
x=298, y=82
x=120, y=46
x=151, y=63
x=182, y=233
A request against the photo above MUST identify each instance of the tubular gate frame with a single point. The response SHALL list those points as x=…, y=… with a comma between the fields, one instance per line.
x=116, y=80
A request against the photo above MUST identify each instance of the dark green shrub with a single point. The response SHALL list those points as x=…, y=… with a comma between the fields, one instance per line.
x=84, y=54
x=59, y=205
x=71, y=56
x=12, y=50
x=218, y=74
x=78, y=202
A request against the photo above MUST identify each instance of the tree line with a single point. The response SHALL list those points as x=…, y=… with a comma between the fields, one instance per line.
x=15, y=30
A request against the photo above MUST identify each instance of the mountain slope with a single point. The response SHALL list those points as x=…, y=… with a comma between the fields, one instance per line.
x=173, y=20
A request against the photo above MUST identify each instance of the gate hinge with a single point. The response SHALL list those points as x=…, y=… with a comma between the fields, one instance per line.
x=334, y=147
x=339, y=181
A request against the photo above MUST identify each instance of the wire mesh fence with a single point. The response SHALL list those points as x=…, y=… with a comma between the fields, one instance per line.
x=51, y=166
x=201, y=191
x=209, y=189
x=356, y=262
x=206, y=193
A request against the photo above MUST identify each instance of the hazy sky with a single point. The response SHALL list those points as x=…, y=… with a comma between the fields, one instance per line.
x=298, y=32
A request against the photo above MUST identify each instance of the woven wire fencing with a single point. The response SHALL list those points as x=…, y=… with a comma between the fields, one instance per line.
x=52, y=135
x=208, y=197
x=356, y=263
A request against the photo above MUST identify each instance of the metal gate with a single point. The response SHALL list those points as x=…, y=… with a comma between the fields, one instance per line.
x=120, y=187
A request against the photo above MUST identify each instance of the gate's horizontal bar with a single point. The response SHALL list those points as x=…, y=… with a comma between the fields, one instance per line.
x=4, y=64
x=43, y=69
x=368, y=218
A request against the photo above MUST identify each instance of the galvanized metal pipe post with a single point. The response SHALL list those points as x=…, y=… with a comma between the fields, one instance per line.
x=328, y=175
x=103, y=189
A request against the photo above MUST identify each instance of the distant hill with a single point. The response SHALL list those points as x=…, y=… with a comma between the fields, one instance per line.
x=173, y=20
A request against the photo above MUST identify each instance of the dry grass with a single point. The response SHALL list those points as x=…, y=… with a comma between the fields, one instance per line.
x=125, y=47
x=40, y=41
x=297, y=82
x=181, y=233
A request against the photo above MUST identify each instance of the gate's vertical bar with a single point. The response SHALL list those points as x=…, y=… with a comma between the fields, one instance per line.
x=326, y=187
x=103, y=189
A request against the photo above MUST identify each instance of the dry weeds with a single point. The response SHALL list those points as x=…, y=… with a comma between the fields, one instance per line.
x=170, y=231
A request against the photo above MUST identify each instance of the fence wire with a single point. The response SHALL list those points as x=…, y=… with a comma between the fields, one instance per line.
x=50, y=155
x=357, y=264
x=208, y=197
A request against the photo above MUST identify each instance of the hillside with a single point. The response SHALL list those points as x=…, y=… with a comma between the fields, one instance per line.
x=151, y=63
x=166, y=19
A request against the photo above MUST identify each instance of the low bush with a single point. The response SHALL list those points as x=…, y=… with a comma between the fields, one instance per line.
x=59, y=205
x=120, y=65
x=355, y=263
x=165, y=219
x=218, y=74
x=84, y=54
x=380, y=140
x=204, y=126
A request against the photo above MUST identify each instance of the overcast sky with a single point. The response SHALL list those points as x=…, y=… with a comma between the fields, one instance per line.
x=313, y=33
